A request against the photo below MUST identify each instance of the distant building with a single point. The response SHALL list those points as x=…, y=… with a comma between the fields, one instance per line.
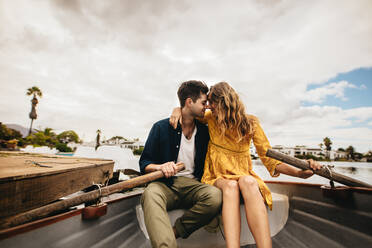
x=304, y=150
x=337, y=154
x=132, y=144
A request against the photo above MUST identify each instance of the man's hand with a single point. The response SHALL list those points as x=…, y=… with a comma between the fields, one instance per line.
x=308, y=173
x=175, y=117
x=169, y=169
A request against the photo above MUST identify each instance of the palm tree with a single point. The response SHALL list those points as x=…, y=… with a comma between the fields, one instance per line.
x=98, y=139
x=36, y=92
x=350, y=151
x=327, y=143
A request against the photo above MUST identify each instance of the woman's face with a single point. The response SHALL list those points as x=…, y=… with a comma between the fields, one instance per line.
x=211, y=105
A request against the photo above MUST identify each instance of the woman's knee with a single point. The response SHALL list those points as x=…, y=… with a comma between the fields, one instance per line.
x=248, y=182
x=230, y=186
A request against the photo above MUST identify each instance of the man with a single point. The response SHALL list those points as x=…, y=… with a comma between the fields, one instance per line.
x=166, y=146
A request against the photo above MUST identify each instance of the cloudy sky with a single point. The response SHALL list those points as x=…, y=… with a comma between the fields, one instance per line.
x=303, y=67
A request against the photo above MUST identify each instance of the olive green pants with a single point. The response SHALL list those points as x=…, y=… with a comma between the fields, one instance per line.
x=202, y=203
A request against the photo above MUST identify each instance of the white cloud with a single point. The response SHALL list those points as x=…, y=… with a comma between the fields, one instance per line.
x=318, y=95
x=116, y=65
x=309, y=125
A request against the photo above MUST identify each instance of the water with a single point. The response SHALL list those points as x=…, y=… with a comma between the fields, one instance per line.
x=68, y=154
x=124, y=158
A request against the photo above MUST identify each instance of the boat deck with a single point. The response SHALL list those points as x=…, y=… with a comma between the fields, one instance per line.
x=29, y=180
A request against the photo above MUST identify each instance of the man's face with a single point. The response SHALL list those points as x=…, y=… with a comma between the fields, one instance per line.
x=198, y=107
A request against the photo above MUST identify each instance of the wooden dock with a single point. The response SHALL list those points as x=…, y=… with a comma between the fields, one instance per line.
x=28, y=181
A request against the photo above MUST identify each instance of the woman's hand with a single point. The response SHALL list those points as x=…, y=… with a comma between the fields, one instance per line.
x=293, y=171
x=175, y=117
x=308, y=173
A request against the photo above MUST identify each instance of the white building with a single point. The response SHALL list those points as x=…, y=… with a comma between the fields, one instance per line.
x=304, y=150
x=132, y=144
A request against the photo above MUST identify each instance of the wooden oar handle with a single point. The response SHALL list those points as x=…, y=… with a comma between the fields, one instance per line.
x=325, y=171
x=180, y=166
x=302, y=164
x=44, y=211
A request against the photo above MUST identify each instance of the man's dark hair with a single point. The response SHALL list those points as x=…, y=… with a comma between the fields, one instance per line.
x=191, y=89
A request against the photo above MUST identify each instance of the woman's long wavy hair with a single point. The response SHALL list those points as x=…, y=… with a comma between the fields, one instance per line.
x=230, y=111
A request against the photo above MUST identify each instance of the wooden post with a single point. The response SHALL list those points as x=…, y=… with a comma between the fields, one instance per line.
x=324, y=172
x=45, y=211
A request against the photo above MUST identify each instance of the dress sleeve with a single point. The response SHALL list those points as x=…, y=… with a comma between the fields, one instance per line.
x=207, y=116
x=262, y=145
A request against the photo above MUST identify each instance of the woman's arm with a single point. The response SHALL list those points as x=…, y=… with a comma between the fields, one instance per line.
x=275, y=167
x=293, y=171
x=175, y=117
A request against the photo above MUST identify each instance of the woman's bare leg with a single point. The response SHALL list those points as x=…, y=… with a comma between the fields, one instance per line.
x=255, y=211
x=230, y=211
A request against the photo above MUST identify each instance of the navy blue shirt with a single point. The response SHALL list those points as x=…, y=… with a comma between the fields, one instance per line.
x=163, y=145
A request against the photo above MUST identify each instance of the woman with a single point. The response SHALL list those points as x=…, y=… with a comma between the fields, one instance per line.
x=228, y=164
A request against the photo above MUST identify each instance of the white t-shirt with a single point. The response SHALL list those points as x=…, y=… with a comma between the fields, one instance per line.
x=187, y=155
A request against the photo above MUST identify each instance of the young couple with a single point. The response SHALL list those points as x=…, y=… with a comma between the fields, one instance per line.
x=214, y=146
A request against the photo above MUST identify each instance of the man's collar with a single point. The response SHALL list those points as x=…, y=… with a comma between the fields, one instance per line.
x=179, y=127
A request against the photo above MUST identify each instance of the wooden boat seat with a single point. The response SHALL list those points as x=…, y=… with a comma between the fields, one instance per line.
x=277, y=219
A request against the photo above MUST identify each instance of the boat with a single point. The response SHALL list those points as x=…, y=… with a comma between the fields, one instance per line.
x=304, y=215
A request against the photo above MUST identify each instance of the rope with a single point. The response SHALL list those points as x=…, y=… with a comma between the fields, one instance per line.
x=329, y=169
x=100, y=192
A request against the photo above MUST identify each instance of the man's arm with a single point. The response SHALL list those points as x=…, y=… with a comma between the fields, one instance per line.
x=148, y=158
x=151, y=149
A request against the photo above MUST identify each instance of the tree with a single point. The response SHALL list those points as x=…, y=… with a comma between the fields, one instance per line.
x=51, y=137
x=63, y=147
x=368, y=155
x=35, y=91
x=327, y=143
x=44, y=137
x=117, y=139
x=48, y=131
x=68, y=136
x=138, y=151
x=350, y=152
x=341, y=149
x=9, y=133
x=98, y=139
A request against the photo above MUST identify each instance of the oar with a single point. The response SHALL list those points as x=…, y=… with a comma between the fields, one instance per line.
x=44, y=211
x=325, y=171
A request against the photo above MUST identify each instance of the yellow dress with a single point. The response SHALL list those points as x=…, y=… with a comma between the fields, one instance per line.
x=230, y=160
